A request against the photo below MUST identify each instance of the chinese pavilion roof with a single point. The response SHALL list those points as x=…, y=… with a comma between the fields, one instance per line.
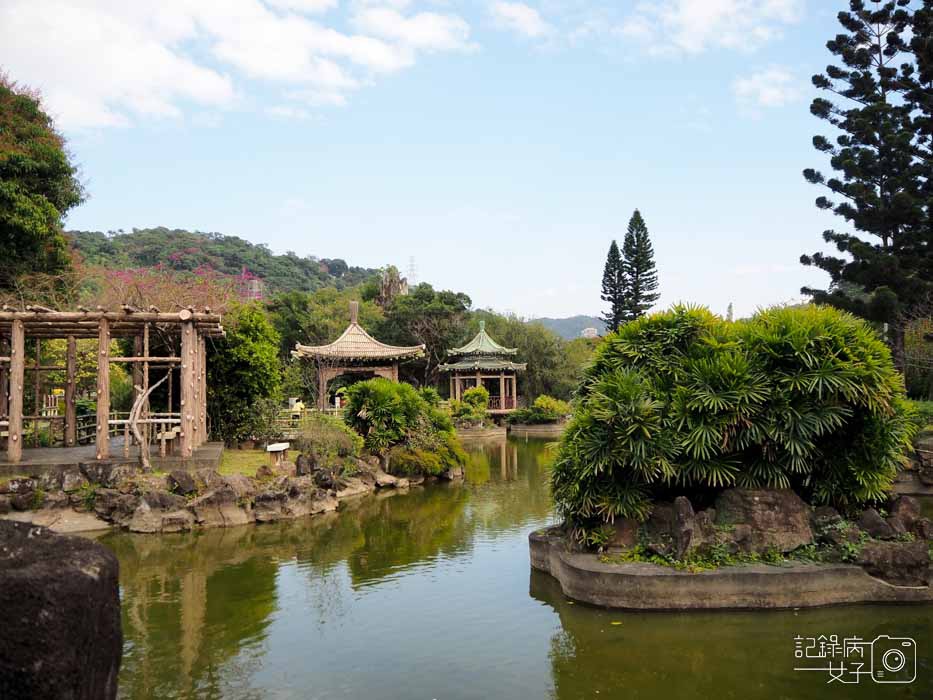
x=482, y=344
x=356, y=345
x=471, y=364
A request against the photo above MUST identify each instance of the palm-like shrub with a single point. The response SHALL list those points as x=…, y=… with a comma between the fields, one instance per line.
x=685, y=403
x=545, y=409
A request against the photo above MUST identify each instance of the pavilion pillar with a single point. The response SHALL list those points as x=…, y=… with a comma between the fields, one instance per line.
x=103, y=389
x=196, y=392
x=4, y=379
x=502, y=402
x=14, y=449
x=321, y=389
x=138, y=351
x=71, y=411
x=186, y=389
x=514, y=391
x=451, y=379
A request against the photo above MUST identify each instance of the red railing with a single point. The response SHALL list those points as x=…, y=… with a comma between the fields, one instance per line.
x=503, y=403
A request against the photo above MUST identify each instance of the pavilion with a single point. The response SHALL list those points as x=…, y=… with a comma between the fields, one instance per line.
x=354, y=352
x=39, y=324
x=483, y=362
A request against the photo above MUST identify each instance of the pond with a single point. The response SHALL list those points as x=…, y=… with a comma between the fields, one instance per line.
x=430, y=595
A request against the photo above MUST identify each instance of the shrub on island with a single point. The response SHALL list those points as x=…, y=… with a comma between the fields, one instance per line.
x=544, y=410
x=471, y=410
x=404, y=424
x=684, y=403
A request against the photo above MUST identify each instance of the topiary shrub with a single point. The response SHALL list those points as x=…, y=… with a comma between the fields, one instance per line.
x=545, y=409
x=471, y=411
x=327, y=438
x=685, y=403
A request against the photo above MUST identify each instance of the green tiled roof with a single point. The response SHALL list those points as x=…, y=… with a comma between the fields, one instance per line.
x=482, y=344
x=469, y=364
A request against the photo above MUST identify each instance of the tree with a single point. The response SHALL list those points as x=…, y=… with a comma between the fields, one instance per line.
x=613, y=288
x=638, y=271
x=243, y=370
x=38, y=185
x=885, y=270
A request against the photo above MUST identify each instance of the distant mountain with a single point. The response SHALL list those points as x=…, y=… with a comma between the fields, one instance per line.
x=572, y=327
x=188, y=250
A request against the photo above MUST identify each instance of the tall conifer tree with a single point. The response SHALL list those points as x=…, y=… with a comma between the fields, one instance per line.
x=641, y=277
x=884, y=273
x=613, y=288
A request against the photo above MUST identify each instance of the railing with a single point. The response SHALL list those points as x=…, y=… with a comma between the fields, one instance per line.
x=289, y=423
x=504, y=403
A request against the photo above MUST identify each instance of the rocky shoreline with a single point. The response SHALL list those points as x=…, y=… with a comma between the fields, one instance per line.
x=100, y=495
x=752, y=549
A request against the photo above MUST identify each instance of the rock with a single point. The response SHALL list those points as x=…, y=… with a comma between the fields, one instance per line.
x=56, y=499
x=402, y=483
x=61, y=630
x=242, y=485
x=208, y=478
x=658, y=528
x=21, y=485
x=24, y=501
x=872, y=523
x=367, y=477
x=416, y=479
x=264, y=473
x=50, y=480
x=5, y=505
x=777, y=519
x=114, y=506
x=897, y=525
x=624, y=536
x=304, y=465
x=822, y=518
x=177, y=521
x=219, y=507
x=907, y=509
x=73, y=481
x=183, y=482
x=383, y=480
x=682, y=526
x=145, y=519
x=898, y=563
x=163, y=500
x=453, y=474
x=923, y=529
x=353, y=487
x=106, y=474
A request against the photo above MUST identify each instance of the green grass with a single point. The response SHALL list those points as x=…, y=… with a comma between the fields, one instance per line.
x=246, y=462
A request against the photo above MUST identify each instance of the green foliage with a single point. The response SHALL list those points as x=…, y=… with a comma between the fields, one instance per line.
x=88, y=495
x=182, y=250
x=922, y=413
x=395, y=415
x=545, y=409
x=640, y=279
x=243, y=369
x=471, y=411
x=682, y=402
x=38, y=186
x=613, y=289
x=477, y=397
x=878, y=104
x=328, y=438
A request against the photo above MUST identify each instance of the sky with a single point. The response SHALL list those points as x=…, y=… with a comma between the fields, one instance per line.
x=501, y=145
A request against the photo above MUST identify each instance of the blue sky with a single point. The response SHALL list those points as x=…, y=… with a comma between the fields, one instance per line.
x=502, y=144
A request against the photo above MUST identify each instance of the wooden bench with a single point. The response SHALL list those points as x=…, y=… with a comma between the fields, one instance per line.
x=167, y=440
x=277, y=453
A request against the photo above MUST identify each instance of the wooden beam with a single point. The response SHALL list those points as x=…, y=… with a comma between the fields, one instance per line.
x=186, y=388
x=183, y=316
x=140, y=359
x=71, y=412
x=103, y=389
x=14, y=449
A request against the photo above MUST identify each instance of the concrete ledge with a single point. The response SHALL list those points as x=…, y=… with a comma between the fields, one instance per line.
x=909, y=484
x=482, y=433
x=639, y=586
x=543, y=430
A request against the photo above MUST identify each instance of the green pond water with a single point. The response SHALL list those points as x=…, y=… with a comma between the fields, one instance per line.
x=430, y=595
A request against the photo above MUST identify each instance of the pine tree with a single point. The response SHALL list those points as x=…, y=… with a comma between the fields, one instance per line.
x=884, y=274
x=641, y=277
x=613, y=288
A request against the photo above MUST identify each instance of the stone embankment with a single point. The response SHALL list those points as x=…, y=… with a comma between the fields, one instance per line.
x=99, y=495
x=818, y=557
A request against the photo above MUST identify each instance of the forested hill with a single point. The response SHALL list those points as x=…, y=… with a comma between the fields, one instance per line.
x=188, y=250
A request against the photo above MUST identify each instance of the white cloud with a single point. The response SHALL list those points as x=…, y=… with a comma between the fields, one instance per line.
x=426, y=30
x=110, y=62
x=771, y=87
x=519, y=17
x=693, y=26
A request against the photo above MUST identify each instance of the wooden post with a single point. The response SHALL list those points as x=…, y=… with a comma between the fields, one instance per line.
x=451, y=378
x=321, y=389
x=103, y=389
x=186, y=389
x=14, y=448
x=195, y=391
x=145, y=431
x=203, y=365
x=71, y=412
x=502, y=402
x=4, y=379
x=38, y=404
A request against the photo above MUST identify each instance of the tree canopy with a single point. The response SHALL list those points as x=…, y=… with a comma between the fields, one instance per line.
x=613, y=288
x=38, y=186
x=640, y=278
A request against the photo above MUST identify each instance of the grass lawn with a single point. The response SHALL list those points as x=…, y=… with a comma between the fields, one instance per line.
x=247, y=461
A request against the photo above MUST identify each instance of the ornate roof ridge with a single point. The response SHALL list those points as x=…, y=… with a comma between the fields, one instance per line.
x=356, y=344
x=482, y=344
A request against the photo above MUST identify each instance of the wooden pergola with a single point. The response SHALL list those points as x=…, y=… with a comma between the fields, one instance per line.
x=40, y=323
x=354, y=352
x=483, y=360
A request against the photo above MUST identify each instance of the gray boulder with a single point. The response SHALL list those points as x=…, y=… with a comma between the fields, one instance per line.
x=876, y=526
x=898, y=563
x=61, y=628
x=765, y=519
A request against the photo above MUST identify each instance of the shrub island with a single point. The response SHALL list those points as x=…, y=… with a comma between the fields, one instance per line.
x=546, y=417
x=699, y=444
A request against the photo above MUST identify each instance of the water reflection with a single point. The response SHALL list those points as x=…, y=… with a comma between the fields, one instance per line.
x=426, y=595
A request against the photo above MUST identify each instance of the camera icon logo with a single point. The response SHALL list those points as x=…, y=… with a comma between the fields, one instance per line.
x=893, y=659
